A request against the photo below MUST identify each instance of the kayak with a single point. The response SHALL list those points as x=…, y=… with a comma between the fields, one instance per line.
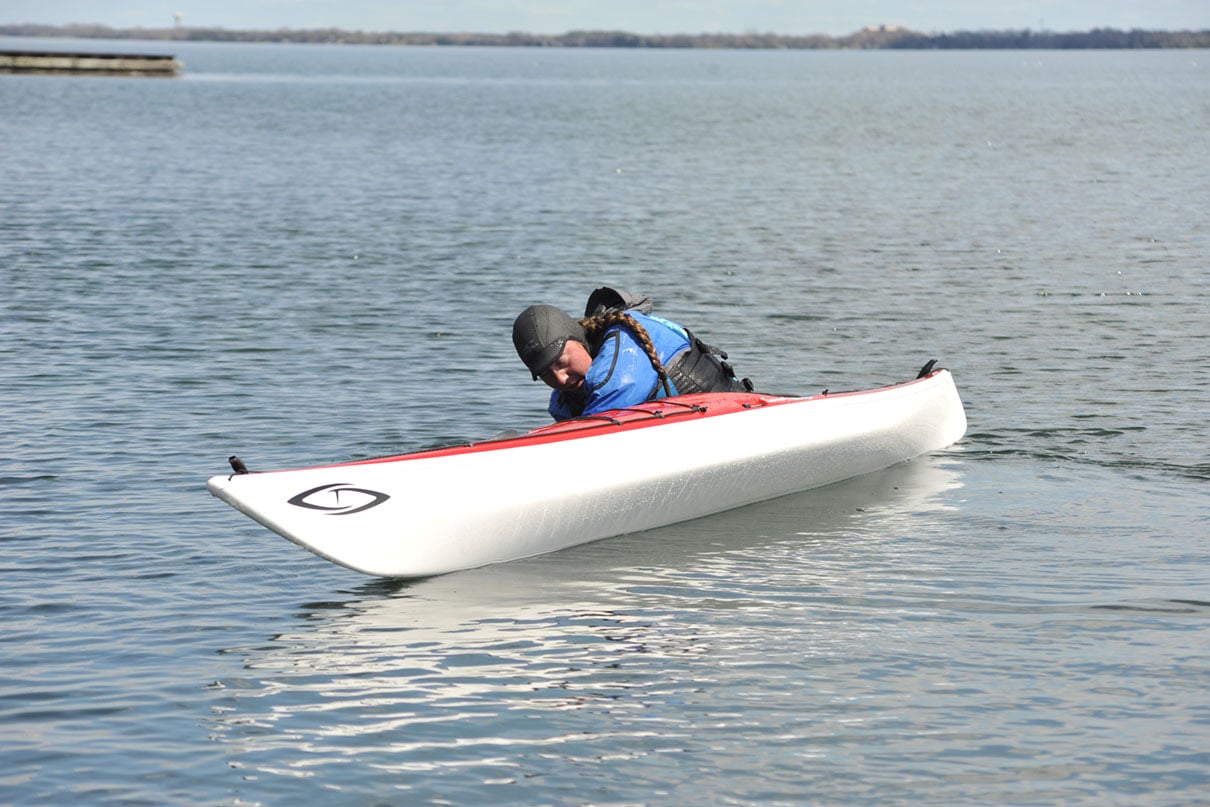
x=661, y=462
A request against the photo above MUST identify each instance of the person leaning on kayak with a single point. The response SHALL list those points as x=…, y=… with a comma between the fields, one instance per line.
x=618, y=355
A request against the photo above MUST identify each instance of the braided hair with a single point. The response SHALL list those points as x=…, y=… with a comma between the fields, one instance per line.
x=596, y=325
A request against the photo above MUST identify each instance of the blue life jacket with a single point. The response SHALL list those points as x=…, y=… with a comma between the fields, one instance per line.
x=621, y=373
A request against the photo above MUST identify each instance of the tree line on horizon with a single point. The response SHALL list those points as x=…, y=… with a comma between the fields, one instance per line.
x=870, y=38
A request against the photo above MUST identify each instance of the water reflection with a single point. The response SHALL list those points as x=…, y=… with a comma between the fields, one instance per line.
x=589, y=647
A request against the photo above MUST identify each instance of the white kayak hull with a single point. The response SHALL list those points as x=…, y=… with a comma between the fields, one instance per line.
x=440, y=511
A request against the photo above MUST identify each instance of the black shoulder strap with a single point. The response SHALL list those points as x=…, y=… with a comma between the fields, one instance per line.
x=606, y=298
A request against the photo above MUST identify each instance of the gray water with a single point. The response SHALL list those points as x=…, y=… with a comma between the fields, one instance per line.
x=313, y=254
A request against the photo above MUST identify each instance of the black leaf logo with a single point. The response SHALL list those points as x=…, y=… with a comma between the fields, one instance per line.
x=339, y=499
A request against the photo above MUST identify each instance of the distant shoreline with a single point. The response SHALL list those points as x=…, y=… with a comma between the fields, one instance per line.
x=870, y=38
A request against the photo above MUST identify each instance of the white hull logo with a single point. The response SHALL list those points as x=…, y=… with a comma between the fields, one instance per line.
x=339, y=499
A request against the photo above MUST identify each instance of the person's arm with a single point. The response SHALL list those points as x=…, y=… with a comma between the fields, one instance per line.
x=621, y=374
x=560, y=407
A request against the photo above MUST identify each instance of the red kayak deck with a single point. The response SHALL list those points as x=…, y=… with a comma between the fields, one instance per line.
x=639, y=416
x=644, y=415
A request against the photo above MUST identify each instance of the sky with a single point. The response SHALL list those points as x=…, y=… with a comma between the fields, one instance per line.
x=790, y=17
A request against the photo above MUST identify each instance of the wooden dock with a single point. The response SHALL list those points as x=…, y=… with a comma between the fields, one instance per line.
x=90, y=64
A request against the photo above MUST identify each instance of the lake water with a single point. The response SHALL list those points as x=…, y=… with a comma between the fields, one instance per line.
x=314, y=254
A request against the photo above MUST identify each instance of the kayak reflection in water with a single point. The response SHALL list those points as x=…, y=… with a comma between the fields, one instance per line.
x=618, y=355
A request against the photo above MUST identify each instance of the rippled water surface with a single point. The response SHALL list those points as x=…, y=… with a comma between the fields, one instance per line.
x=314, y=254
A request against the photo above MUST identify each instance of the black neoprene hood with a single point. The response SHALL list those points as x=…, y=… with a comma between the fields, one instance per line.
x=539, y=334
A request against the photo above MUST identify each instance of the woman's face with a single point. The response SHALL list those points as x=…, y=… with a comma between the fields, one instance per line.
x=568, y=372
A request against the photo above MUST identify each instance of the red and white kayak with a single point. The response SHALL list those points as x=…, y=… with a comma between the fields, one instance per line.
x=569, y=483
